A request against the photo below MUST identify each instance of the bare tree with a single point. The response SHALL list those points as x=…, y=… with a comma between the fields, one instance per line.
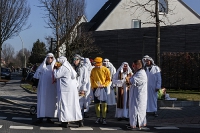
x=13, y=17
x=62, y=15
x=83, y=45
x=19, y=58
x=7, y=52
x=153, y=9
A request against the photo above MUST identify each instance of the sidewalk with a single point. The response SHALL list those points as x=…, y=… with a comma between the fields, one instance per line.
x=179, y=116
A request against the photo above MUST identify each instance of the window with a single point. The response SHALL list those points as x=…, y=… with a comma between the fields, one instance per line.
x=136, y=23
x=163, y=6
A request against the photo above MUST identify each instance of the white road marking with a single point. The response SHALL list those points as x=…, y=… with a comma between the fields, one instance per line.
x=50, y=128
x=1, y=118
x=21, y=127
x=110, y=128
x=21, y=118
x=81, y=128
x=166, y=127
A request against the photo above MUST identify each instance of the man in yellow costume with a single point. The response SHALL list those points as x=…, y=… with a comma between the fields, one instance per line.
x=100, y=79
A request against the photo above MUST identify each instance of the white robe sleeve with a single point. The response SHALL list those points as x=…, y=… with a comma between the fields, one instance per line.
x=117, y=82
x=138, y=79
x=58, y=73
x=158, y=78
x=84, y=80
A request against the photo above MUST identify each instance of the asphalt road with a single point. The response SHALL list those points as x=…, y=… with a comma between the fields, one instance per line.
x=16, y=119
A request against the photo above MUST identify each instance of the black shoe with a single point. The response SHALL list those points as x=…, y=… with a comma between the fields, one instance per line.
x=49, y=121
x=38, y=121
x=80, y=123
x=127, y=119
x=85, y=115
x=127, y=125
x=119, y=119
x=64, y=124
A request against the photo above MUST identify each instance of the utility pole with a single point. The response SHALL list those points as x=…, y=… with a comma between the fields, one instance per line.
x=57, y=30
x=157, y=51
x=24, y=60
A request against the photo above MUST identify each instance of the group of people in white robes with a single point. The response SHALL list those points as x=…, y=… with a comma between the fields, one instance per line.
x=136, y=91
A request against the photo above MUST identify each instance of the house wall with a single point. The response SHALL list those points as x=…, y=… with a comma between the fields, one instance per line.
x=121, y=17
x=128, y=45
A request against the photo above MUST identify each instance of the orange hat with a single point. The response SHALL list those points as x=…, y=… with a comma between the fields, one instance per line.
x=98, y=61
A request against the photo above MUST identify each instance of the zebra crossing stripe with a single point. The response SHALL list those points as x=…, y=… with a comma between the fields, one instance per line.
x=21, y=127
x=21, y=118
x=1, y=118
x=81, y=128
x=166, y=127
x=50, y=128
x=1, y=126
x=110, y=128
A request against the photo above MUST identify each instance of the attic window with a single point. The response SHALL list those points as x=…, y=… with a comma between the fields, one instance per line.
x=136, y=23
x=163, y=6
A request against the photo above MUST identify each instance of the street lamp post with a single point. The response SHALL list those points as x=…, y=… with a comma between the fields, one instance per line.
x=23, y=52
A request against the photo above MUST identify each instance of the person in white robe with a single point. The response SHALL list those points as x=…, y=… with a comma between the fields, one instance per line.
x=122, y=90
x=89, y=98
x=68, y=98
x=83, y=79
x=137, y=96
x=154, y=83
x=111, y=100
x=46, y=90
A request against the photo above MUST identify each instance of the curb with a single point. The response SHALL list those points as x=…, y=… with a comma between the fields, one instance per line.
x=29, y=91
x=165, y=103
x=12, y=102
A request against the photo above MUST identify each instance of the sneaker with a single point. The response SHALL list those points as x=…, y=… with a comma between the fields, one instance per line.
x=98, y=120
x=104, y=122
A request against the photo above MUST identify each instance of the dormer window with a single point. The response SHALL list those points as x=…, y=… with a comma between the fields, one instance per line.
x=163, y=6
x=136, y=23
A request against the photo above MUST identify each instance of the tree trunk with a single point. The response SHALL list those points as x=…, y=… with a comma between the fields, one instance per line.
x=157, y=53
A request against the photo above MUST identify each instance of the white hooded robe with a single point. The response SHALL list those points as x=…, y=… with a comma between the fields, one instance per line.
x=68, y=98
x=154, y=82
x=138, y=99
x=122, y=112
x=46, y=90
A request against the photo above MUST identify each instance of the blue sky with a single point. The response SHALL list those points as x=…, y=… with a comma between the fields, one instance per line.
x=38, y=30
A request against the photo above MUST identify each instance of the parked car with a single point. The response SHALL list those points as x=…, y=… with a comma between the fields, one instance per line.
x=5, y=73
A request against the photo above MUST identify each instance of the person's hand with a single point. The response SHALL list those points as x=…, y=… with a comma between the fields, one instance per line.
x=82, y=92
x=101, y=86
x=128, y=79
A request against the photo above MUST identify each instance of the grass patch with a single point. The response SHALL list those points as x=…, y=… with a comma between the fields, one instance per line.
x=184, y=95
x=28, y=87
x=181, y=95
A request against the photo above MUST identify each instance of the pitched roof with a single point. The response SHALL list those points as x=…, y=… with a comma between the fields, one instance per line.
x=103, y=13
x=190, y=9
x=107, y=8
